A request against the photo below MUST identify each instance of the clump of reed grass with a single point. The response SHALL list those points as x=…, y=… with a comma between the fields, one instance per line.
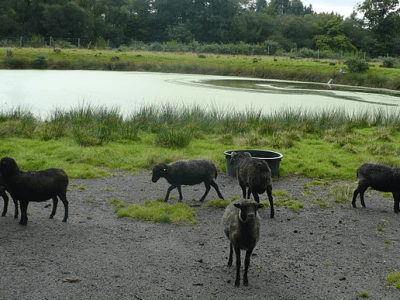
x=173, y=139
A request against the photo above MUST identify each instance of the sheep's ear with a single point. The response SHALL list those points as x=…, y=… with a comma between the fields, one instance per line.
x=260, y=205
x=237, y=205
x=247, y=154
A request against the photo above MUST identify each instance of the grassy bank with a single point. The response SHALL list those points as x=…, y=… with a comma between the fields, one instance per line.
x=90, y=141
x=248, y=66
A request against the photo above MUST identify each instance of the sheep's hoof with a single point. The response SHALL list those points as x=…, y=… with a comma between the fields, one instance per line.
x=23, y=223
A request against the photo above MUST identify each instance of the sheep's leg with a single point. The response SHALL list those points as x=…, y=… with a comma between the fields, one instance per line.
x=243, y=186
x=15, y=207
x=169, y=191
x=362, y=198
x=207, y=184
x=180, y=193
x=5, y=197
x=248, y=193
x=256, y=197
x=271, y=200
x=237, y=252
x=64, y=200
x=215, y=186
x=230, y=255
x=24, y=207
x=353, y=202
x=15, y=200
x=55, y=203
x=246, y=266
x=396, y=198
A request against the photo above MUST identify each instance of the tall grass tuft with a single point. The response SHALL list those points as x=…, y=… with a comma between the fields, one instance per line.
x=94, y=126
x=17, y=122
x=173, y=138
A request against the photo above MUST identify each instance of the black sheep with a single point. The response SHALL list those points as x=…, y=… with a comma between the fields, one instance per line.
x=254, y=174
x=241, y=223
x=36, y=186
x=187, y=172
x=379, y=177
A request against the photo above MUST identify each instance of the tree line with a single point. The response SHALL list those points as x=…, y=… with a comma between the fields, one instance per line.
x=372, y=28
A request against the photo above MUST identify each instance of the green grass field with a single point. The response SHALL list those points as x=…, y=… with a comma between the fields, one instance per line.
x=309, y=70
x=89, y=141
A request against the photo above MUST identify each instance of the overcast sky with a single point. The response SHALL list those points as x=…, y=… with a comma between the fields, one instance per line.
x=343, y=7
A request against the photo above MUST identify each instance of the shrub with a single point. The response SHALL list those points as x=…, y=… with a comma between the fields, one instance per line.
x=15, y=63
x=101, y=43
x=306, y=52
x=389, y=62
x=156, y=47
x=357, y=65
x=39, y=62
x=36, y=41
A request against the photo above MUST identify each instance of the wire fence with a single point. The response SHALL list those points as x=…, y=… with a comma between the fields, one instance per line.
x=38, y=41
x=266, y=48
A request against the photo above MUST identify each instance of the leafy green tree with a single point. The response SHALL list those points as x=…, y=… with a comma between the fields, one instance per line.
x=66, y=21
x=359, y=35
x=180, y=33
x=333, y=36
x=382, y=18
x=8, y=19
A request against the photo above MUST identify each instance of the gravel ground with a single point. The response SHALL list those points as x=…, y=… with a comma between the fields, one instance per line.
x=313, y=253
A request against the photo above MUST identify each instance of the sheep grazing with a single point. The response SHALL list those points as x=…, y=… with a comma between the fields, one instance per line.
x=241, y=223
x=379, y=177
x=35, y=186
x=187, y=172
x=253, y=174
x=5, y=197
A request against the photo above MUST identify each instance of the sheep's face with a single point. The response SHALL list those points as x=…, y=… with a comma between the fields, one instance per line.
x=248, y=210
x=159, y=171
x=8, y=166
x=236, y=156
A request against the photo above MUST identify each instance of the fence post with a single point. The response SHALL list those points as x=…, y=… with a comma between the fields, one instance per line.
x=51, y=41
x=20, y=42
x=79, y=42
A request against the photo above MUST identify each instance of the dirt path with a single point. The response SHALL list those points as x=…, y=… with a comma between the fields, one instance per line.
x=312, y=253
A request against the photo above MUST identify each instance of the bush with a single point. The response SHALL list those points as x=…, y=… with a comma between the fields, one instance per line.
x=101, y=43
x=156, y=47
x=357, y=65
x=15, y=63
x=388, y=62
x=306, y=52
x=39, y=62
x=36, y=41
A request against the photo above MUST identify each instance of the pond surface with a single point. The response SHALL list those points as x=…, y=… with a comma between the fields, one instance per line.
x=44, y=91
